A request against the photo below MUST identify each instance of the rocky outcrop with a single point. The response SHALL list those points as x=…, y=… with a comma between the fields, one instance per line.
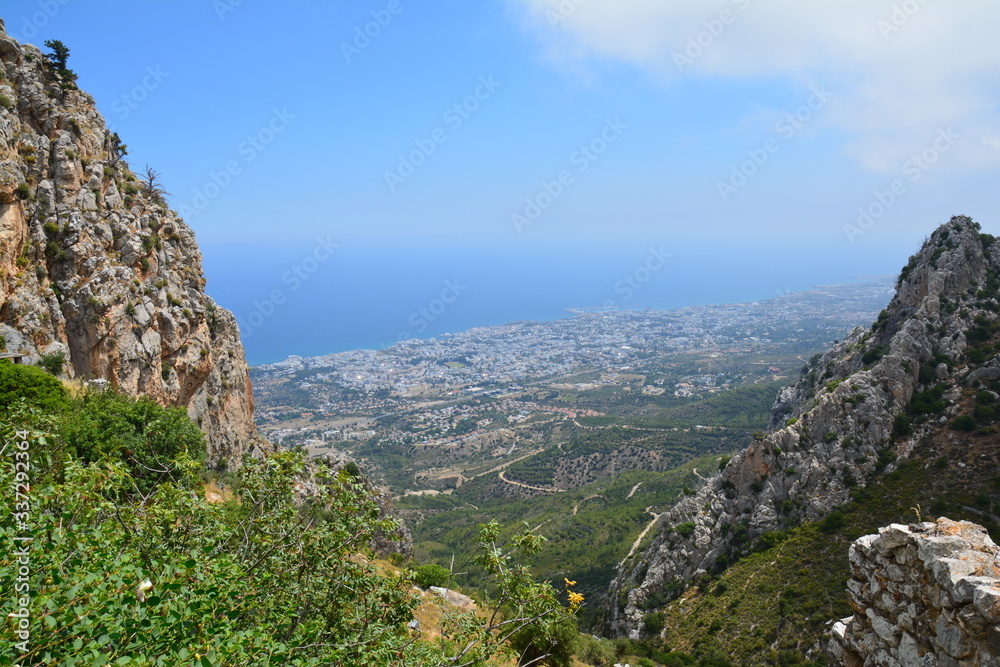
x=840, y=425
x=926, y=594
x=95, y=267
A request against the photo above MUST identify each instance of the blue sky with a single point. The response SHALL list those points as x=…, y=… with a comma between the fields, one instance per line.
x=187, y=83
x=840, y=132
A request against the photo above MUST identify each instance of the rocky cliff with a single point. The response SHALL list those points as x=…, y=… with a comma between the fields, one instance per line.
x=924, y=594
x=842, y=424
x=95, y=267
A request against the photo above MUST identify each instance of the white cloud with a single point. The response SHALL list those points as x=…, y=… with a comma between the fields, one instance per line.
x=902, y=69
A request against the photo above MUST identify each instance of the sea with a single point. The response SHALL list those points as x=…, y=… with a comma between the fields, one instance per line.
x=310, y=298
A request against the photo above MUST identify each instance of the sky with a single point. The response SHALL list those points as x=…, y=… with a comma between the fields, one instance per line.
x=737, y=119
x=840, y=129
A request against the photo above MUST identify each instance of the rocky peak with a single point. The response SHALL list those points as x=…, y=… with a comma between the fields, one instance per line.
x=95, y=267
x=840, y=425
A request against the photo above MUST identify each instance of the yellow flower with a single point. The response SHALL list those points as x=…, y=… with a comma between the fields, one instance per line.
x=569, y=583
x=575, y=599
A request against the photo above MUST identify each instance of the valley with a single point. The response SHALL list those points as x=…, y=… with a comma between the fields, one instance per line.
x=584, y=430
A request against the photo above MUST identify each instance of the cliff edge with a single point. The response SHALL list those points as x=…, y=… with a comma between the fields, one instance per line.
x=96, y=269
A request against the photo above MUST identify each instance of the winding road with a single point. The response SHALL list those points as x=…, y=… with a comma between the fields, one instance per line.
x=503, y=478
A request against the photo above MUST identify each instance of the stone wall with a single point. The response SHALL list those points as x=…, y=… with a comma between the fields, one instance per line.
x=926, y=594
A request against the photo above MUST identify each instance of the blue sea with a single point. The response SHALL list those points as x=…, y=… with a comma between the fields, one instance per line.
x=316, y=297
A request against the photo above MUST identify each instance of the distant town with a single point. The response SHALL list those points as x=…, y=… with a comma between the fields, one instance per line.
x=472, y=396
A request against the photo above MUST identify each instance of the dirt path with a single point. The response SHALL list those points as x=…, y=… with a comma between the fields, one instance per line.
x=503, y=478
x=632, y=492
x=649, y=526
x=504, y=465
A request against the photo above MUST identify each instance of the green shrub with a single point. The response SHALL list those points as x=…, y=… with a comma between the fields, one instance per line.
x=147, y=437
x=53, y=363
x=593, y=651
x=31, y=384
x=901, y=426
x=873, y=355
x=834, y=521
x=885, y=458
x=654, y=622
x=431, y=574
x=963, y=423
x=685, y=529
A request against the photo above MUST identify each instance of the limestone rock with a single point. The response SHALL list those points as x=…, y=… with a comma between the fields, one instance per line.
x=93, y=266
x=832, y=430
x=948, y=562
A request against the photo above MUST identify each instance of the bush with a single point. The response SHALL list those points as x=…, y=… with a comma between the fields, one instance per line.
x=963, y=423
x=431, y=574
x=678, y=659
x=558, y=642
x=654, y=623
x=901, y=426
x=834, y=521
x=53, y=363
x=685, y=529
x=885, y=458
x=147, y=437
x=593, y=651
x=32, y=384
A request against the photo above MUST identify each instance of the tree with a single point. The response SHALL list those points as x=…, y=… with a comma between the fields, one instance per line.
x=152, y=186
x=117, y=150
x=57, y=60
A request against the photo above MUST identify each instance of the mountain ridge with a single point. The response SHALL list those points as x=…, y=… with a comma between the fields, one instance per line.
x=845, y=421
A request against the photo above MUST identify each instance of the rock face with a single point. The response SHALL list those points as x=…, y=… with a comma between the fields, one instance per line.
x=94, y=265
x=837, y=427
x=925, y=594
